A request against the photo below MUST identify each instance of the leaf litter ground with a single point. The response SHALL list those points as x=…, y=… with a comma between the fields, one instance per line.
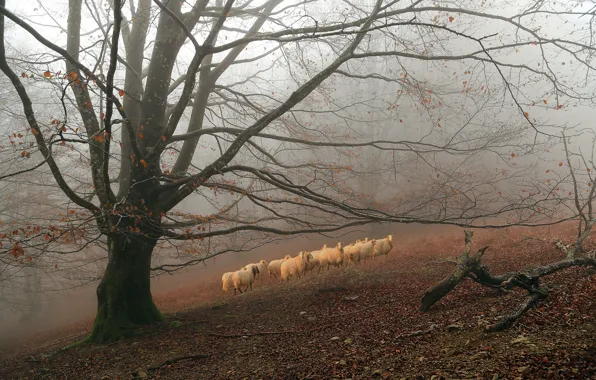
x=361, y=322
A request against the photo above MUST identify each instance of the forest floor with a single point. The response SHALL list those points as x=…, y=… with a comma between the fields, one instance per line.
x=358, y=322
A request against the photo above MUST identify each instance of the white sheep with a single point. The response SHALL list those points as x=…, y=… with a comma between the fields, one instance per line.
x=365, y=249
x=331, y=256
x=295, y=266
x=383, y=246
x=263, y=266
x=336, y=255
x=322, y=257
x=227, y=282
x=352, y=254
x=312, y=264
x=274, y=267
x=244, y=277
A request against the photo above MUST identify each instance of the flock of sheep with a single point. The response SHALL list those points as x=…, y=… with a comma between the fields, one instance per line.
x=304, y=262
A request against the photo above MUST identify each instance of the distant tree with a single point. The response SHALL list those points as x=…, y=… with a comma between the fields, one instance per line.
x=192, y=126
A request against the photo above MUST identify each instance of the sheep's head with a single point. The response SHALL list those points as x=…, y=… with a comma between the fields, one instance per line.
x=264, y=262
x=358, y=241
x=340, y=246
x=287, y=257
x=324, y=247
x=390, y=238
x=366, y=240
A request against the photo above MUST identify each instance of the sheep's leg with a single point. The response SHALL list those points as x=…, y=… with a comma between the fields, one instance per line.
x=250, y=287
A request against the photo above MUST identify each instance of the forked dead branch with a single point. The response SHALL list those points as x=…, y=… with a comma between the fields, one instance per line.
x=469, y=266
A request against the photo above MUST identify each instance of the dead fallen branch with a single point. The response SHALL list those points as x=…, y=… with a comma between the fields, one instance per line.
x=416, y=333
x=469, y=266
x=177, y=359
x=359, y=310
x=462, y=269
x=270, y=332
x=57, y=341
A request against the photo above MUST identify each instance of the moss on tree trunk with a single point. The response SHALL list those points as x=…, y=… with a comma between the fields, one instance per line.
x=124, y=299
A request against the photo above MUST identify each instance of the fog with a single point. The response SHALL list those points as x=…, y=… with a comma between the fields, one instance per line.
x=490, y=156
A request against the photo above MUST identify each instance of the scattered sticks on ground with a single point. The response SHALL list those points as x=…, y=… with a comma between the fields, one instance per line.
x=177, y=359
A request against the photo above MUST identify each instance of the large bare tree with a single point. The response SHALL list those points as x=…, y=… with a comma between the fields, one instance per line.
x=212, y=126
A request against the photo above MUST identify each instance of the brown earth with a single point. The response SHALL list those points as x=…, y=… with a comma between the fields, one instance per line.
x=359, y=322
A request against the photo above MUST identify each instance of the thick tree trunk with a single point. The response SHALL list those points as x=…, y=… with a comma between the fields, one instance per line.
x=124, y=294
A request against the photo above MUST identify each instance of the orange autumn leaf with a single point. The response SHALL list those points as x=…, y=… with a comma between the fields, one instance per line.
x=526, y=114
x=512, y=155
x=23, y=75
x=559, y=106
x=547, y=170
x=102, y=115
x=544, y=101
x=451, y=18
x=163, y=138
x=47, y=74
x=560, y=164
x=25, y=154
x=144, y=163
x=121, y=92
x=140, y=135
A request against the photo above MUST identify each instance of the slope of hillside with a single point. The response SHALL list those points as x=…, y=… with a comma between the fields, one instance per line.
x=359, y=322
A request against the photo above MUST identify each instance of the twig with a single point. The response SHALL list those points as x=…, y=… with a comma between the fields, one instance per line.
x=270, y=332
x=443, y=261
x=528, y=237
x=360, y=310
x=177, y=359
x=416, y=333
x=195, y=322
x=62, y=339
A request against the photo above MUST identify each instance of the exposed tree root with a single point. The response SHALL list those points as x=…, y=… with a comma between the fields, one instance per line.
x=177, y=359
x=469, y=266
